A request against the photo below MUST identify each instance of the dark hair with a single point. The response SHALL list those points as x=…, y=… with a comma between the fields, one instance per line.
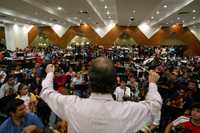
x=195, y=105
x=102, y=76
x=21, y=86
x=13, y=104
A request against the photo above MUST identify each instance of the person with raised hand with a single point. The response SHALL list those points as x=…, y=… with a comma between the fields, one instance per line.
x=100, y=113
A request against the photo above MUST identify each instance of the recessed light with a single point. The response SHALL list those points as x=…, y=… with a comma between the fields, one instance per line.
x=193, y=17
x=107, y=12
x=178, y=18
x=193, y=11
x=83, y=12
x=105, y=6
x=183, y=21
x=131, y=19
x=59, y=8
x=165, y=6
x=152, y=17
x=157, y=12
x=167, y=23
x=134, y=11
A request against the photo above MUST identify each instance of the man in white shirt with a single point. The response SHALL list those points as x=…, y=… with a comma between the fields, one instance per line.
x=100, y=113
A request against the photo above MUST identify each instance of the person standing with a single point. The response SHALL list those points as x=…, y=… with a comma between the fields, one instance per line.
x=100, y=113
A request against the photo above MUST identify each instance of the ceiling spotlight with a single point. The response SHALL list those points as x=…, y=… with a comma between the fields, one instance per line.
x=165, y=6
x=83, y=12
x=167, y=23
x=59, y=8
x=178, y=18
x=193, y=11
x=157, y=12
x=193, y=17
x=132, y=19
x=152, y=17
x=105, y=6
x=134, y=11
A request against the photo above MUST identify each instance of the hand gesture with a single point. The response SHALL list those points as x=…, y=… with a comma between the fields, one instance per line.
x=50, y=68
x=153, y=76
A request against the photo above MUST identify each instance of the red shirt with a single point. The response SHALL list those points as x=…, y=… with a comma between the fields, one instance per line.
x=192, y=128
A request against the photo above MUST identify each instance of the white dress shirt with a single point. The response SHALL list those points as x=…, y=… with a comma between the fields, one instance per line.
x=100, y=113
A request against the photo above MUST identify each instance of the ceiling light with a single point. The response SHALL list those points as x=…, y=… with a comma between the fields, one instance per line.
x=167, y=23
x=131, y=19
x=107, y=12
x=193, y=11
x=165, y=6
x=105, y=6
x=193, y=17
x=157, y=12
x=59, y=8
x=134, y=11
x=178, y=18
x=152, y=17
x=183, y=21
x=83, y=12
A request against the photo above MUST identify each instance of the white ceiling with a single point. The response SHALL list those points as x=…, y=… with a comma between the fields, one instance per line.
x=99, y=13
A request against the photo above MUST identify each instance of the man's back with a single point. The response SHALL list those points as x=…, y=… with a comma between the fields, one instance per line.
x=100, y=113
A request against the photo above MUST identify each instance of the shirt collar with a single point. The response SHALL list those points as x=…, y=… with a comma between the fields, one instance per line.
x=98, y=96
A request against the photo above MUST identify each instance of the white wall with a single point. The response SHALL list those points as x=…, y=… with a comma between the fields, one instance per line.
x=102, y=31
x=60, y=30
x=148, y=30
x=16, y=36
x=196, y=31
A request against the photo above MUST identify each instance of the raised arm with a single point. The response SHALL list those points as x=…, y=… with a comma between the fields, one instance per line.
x=56, y=101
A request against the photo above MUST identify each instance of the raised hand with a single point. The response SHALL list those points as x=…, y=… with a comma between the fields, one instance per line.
x=50, y=68
x=153, y=76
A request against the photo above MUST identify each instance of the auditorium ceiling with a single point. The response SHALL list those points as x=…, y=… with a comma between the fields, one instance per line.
x=99, y=13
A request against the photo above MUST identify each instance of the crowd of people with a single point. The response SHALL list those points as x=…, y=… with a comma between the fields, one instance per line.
x=22, y=72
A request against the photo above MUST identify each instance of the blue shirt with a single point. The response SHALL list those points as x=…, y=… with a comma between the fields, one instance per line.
x=8, y=126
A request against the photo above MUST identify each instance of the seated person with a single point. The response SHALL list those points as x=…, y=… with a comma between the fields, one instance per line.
x=30, y=100
x=186, y=124
x=20, y=121
x=122, y=92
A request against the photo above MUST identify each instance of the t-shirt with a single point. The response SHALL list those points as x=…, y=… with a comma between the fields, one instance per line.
x=185, y=122
x=191, y=127
x=8, y=126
